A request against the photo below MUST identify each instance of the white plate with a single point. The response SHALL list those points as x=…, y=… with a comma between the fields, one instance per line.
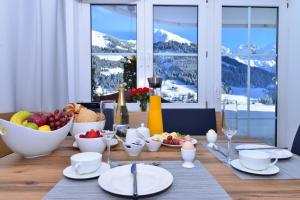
x=279, y=153
x=270, y=171
x=70, y=173
x=194, y=141
x=113, y=143
x=150, y=179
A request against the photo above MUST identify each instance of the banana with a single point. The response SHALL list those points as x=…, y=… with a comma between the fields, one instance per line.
x=20, y=117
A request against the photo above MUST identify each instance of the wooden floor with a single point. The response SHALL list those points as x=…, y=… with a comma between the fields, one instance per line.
x=33, y=178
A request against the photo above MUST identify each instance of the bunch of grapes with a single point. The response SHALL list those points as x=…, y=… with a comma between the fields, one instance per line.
x=58, y=119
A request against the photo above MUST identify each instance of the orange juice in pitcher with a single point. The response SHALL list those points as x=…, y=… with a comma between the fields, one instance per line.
x=155, y=121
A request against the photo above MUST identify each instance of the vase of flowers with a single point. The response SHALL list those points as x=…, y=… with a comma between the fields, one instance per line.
x=141, y=95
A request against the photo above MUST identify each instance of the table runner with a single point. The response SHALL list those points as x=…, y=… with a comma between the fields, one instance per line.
x=289, y=168
x=189, y=184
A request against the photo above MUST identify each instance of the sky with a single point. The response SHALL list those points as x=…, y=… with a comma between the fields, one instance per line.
x=124, y=27
x=112, y=23
x=233, y=37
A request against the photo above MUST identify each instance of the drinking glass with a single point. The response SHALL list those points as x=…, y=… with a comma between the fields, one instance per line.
x=108, y=108
x=229, y=128
x=108, y=135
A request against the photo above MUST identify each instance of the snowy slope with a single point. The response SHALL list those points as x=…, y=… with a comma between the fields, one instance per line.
x=161, y=35
x=100, y=39
x=103, y=40
x=267, y=63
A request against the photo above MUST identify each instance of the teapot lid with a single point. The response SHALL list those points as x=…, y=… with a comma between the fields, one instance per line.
x=142, y=127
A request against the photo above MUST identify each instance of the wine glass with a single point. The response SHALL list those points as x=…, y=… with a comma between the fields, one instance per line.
x=229, y=128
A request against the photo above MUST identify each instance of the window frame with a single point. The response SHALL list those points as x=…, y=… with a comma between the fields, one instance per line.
x=138, y=34
x=202, y=46
x=280, y=125
x=144, y=48
x=211, y=84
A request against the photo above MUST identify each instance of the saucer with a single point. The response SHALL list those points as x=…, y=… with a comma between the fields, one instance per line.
x=70, y=173
x=270, y=171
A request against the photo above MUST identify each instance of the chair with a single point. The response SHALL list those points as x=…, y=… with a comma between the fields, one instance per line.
x=189, y=121
x=296, y=143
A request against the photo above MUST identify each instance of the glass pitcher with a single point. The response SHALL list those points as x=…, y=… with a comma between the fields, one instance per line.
x=155, y=122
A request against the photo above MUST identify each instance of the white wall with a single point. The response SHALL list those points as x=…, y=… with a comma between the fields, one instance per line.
x=289, y=105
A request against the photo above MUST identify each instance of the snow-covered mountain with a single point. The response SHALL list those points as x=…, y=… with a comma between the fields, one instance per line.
x=106, y=44
x=105, y=41
x=161, y=35
x=100, y=39
x=267, y=63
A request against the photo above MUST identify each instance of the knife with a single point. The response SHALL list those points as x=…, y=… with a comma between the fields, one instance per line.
x=262, y=148
x=134, y=173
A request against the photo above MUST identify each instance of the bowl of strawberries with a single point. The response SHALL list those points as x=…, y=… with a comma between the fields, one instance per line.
x=91, y=141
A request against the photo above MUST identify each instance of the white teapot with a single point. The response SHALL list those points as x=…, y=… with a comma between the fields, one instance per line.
x=144, y=131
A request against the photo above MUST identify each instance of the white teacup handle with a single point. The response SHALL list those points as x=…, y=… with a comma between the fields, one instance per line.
x=77, y=167
x=275, y=161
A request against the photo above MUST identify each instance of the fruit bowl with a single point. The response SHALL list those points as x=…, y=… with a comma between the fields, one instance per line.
x=32, y=143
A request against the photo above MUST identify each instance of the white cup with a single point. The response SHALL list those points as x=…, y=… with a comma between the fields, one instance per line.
x=256, y=160
x=85, y=163
x=131, y=134
x=188, y=155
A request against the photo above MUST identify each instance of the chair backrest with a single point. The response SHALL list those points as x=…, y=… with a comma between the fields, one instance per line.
x=296, y=143
x=189, y=121
x=185, y=121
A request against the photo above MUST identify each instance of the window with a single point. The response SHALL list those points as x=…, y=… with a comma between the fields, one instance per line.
x=134, y=41
x=175, y=49
x=113, y=35
x=249, y=69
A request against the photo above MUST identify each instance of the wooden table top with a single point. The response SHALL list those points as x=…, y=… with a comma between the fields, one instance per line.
x=32, y=178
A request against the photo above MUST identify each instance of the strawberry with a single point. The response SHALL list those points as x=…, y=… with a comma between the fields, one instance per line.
x=169, y=137
x=93, y=134
x=82, y=136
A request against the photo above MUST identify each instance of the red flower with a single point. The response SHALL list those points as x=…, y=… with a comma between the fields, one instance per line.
x=133, y=91
x=140, y=91
x=146, y=90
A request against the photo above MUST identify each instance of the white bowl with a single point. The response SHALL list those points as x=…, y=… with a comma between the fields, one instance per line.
x=134, y=150
x=83, y=127
x=32, y=143
x=153, y=145
x=91, y=144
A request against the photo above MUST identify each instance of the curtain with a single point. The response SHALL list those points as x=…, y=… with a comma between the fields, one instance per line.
x=33, y=55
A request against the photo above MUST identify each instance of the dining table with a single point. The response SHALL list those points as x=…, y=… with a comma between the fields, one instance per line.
x=22, y=178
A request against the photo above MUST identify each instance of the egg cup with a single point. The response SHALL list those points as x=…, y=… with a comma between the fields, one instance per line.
x=188, y=156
